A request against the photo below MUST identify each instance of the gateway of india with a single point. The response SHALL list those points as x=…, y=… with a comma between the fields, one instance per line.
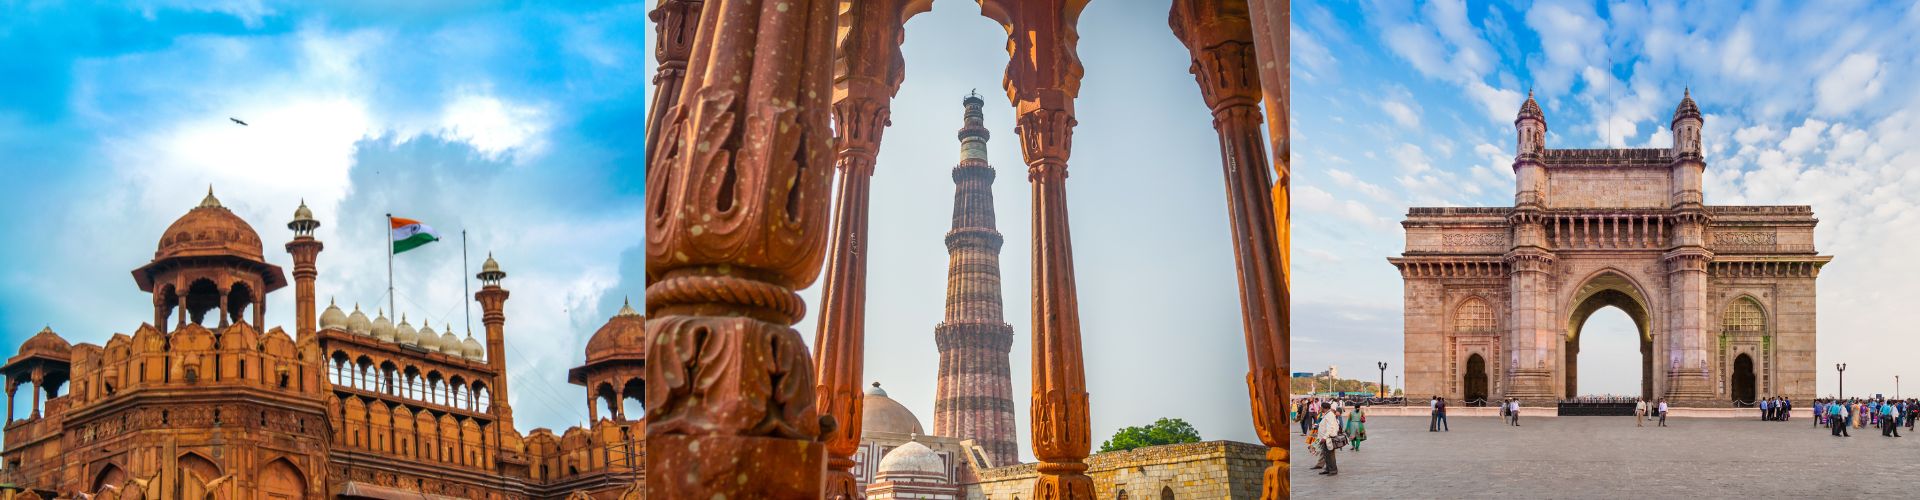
x=204, y=403
x=1722, y=296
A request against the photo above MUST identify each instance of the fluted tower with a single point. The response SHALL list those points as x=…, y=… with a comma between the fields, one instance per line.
x=975, y=399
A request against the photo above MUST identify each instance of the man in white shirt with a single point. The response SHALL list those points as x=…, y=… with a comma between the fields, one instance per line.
x=1515, y=411
x=1663, y=412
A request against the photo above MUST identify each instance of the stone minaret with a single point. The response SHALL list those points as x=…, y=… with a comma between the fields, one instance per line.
x=975, y=399
x=493, y=303
x=305, y=249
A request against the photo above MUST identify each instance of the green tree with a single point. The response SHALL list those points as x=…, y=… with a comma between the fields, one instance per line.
x=1163, y=431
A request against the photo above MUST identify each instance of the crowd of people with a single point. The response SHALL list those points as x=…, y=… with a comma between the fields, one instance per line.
x=1329, y=425
x=1889, y=415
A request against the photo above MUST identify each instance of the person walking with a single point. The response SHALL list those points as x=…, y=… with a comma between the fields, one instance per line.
x=1833, y=419
x=1440, y=410
x=1640, y=413
x=1357, y=427
x=1329, y=430
x=1663, y=412
x=1513, y=408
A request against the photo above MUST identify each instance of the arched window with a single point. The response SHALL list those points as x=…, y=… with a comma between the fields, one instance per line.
x=1474, y=315
x=1744, y=317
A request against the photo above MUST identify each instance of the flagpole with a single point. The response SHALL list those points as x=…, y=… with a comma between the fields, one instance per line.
x=390, y=301
x=465, y=290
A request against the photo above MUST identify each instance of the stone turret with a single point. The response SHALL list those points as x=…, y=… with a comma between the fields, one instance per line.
x=975, y=391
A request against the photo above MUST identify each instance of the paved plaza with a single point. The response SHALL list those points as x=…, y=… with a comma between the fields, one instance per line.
x=1607, y=457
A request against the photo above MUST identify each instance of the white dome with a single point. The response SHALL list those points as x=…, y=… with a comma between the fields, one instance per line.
x=472, y=350
x=448, y=343
x=357, y=322
x=911, y=458
x=429, y=339
x=333, y=318
x=383, y=327
x=404, y=333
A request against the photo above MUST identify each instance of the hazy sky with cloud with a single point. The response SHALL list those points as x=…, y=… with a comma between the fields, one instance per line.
x=1401, y=104
x=516, y=123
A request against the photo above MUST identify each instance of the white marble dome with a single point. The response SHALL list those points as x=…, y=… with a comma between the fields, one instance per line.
x=912, y=458
x=448, y=343
x=471, y=349
x=404, y=332
x=429, y=339
x=357, y=322
x=333, y=318
x=382, y=327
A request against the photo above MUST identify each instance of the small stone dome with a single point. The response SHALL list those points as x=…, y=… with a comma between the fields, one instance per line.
x=358, y=323
x=1686, y=109
x=1531, y=109
x=471, y=349
x=302, y=214
x=209, y=229
x=48, y=343
x=882, y=414
x=448, y=343
x=624, y=334
x=912, y=458
x=404, y=332
x=382, y=327
x=332, y=318
x=429, y=339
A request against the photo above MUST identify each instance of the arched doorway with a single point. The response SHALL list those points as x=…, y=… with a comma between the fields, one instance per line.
x=1604, y=290
x=1475, y=385
x=195, y=474
x=280, y=480
x=110, y=475
x=1743, y=380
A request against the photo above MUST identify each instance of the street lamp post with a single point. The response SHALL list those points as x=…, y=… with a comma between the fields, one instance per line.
x=1842, y=368
x=1383, y=380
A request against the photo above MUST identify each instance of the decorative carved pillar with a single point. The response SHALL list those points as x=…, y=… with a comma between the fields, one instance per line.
x=1043, y=78
x=1269, y=378
x=737, y=220
x=12, y=387
x=869, y=72
x=676, y=22
x=1219, y=36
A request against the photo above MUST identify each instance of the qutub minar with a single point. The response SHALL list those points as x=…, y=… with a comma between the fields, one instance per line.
x=975, y=393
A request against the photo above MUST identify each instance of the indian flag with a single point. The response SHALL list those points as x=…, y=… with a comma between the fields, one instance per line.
x=409, y=234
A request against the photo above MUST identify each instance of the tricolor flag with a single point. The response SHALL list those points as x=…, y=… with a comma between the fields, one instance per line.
x=409, y=234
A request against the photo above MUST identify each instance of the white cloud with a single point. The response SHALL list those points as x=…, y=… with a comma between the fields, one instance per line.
x=1803, y=138
x=496, y=126
x=1851, y=83
x=1403, y=112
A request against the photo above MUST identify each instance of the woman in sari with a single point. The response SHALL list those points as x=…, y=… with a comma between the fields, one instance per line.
x=1357, y=427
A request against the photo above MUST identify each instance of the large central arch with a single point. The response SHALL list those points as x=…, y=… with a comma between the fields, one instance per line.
x=1608, y=288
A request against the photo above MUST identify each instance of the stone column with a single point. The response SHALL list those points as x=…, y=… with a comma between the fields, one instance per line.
x=1532, y=338
x=736, y=221
x=1268, y=378
x=1689, y=378
x=1219, y=37
x=676, y=22
x=1043, y=78
x=868, y=76
x=12, y=387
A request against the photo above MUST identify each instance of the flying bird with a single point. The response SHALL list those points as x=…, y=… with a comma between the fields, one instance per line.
x=237, y=120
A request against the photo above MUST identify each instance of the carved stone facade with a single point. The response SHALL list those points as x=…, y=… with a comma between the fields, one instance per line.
x=1722, y=296
x=351, y=408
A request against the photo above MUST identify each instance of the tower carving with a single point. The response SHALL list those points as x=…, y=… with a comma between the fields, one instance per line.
x=975, y=393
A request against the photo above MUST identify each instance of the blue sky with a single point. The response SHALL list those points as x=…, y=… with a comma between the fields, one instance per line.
x=517, y=123
x=1400, y=104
